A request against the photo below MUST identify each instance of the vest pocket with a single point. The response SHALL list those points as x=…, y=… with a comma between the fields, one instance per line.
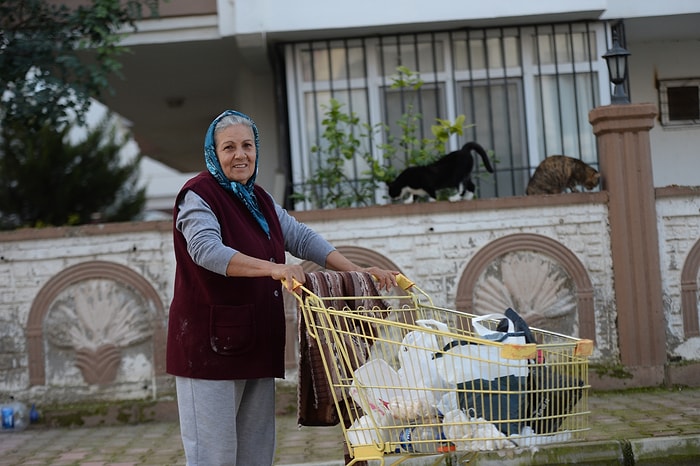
x=231, y=329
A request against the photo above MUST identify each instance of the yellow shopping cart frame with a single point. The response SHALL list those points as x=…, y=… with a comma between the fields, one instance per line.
x=539, y=394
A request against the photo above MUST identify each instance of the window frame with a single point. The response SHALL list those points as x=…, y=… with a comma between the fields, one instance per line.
x=664, y=113
x=526, y=73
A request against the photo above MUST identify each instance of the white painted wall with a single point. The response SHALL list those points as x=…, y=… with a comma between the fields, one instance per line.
x=641, y=8
x=664, y=44
x=675, y=150
x=253, y=16
x=275, y=16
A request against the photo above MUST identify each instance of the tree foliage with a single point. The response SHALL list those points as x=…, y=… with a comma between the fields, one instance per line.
x=47, y=180
x=54, y=60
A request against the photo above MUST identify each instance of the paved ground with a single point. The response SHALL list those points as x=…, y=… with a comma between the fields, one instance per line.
x=644, y=426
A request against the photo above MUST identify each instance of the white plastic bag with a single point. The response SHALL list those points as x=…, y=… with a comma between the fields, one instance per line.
x=504, y=337
x=468, y=360
x=376, y=384
x=383, y=397
x=516, y=367
x=372, y=430
x=473, y=434
x=416, y=355
x=364, y=432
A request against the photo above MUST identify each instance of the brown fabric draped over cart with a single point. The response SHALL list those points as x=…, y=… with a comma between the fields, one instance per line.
x=315, y=405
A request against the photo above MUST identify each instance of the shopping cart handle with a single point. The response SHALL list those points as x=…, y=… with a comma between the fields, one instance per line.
x=404, y=282
x=296, y=284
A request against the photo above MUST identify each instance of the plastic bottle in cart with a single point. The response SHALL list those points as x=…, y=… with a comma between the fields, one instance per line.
x=424, y=439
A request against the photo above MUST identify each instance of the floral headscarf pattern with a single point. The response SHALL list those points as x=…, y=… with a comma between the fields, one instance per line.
x=243, y=191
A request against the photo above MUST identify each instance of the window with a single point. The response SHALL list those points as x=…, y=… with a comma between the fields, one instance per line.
x=525, y=93
x=679, y=101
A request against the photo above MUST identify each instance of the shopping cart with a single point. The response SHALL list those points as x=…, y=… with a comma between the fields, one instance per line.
x=411, y=378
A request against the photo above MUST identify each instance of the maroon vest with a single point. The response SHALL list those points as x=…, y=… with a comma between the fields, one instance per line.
x=227, y=327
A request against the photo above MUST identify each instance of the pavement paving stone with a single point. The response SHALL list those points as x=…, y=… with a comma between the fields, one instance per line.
x=649, y=420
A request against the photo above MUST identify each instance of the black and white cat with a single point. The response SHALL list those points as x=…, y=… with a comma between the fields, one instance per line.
x=450, y=171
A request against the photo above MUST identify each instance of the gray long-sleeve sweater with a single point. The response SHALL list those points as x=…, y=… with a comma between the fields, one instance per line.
x=198, y=224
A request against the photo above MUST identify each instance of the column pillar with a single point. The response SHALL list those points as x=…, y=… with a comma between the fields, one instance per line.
x=625, y=165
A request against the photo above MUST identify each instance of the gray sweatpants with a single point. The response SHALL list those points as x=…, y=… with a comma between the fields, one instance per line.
x=227, y=422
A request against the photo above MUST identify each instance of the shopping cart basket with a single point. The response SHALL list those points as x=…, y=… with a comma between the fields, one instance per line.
x=411, y=378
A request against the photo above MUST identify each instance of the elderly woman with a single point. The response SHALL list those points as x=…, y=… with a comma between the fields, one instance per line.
x=226, y=324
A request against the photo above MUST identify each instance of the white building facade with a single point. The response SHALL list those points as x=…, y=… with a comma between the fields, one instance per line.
x=524, y=74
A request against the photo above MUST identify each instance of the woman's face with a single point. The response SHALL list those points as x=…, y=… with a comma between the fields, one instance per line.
x=235, y=149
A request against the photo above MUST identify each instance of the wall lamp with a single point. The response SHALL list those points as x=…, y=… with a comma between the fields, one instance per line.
x=616, y=59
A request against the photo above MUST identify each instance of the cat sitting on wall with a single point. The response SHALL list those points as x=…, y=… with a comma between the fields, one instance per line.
x=557, y=173
x=450, y=171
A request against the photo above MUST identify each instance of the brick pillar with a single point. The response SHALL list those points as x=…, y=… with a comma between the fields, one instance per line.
x=625, y=165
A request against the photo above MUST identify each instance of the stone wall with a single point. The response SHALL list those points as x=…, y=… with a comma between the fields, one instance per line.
x=679, y=234
x=83, y=310
x=435, y=244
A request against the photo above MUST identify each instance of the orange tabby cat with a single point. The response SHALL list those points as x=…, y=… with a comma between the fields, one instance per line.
x=556, y=173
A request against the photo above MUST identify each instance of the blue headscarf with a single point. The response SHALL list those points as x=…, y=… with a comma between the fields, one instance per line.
x=243, y=191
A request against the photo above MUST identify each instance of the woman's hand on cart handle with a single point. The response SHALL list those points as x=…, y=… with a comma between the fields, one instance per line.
x=390, y=278
x=292, y=276
x=386, y=278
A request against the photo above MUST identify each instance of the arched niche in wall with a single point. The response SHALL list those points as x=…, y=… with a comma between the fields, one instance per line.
x=93, y=313
x=689, y=292
x=535, y=275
